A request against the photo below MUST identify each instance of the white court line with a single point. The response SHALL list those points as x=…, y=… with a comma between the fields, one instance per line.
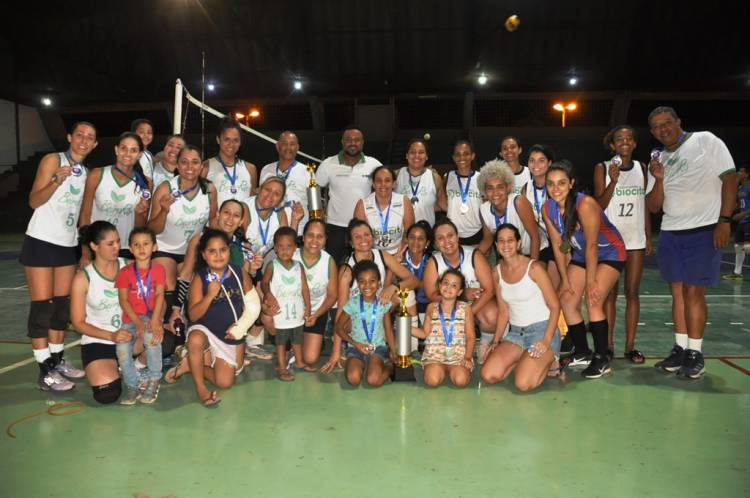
x=744, y=296
x=24, y=286
x=32, y=360
x=736, y=323
x=731, y=263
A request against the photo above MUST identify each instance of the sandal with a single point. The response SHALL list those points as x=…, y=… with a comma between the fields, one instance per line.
x=285, y=376
x=170, y=376
x=635, y=356
x=212, y=401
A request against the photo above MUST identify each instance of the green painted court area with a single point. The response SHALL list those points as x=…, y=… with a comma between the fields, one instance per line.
x=637, y=432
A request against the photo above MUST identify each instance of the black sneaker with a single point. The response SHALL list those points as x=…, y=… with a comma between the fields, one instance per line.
x=674, y=361
x=598, y=367
x=693, y=365
x=566, y=347
x=580, y=359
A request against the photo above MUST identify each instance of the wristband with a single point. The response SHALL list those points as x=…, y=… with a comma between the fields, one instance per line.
x=725, y=219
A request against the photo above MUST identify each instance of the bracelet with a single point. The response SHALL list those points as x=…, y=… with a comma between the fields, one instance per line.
x=725, y=219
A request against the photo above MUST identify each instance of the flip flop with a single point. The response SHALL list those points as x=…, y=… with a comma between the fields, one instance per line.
x=212, y=401
x=170, y=376
x=635, y=356
x=285, y=376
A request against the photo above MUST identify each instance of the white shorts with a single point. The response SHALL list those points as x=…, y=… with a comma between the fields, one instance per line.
x=217, y=347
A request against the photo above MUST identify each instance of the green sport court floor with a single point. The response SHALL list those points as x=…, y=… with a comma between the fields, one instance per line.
x=636, y=432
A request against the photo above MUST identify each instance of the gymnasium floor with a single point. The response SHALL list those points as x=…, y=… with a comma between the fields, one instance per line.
x=637, y=432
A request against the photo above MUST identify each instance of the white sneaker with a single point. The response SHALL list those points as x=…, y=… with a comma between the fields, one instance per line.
x=53, y=381
x=258, y=352
x=69, y=371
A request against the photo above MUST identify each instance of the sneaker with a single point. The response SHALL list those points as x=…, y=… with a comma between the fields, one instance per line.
x=733, y=277
x=566, y=347
x=53, y=381
x=693, y=365
x=580, y=359
x=258, y=352
x=598, y=367
x=151, y=392
x=674, y=361
x=69, y=371
x=130, y=396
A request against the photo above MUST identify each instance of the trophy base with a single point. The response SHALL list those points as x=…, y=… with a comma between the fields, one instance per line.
x=403, y=370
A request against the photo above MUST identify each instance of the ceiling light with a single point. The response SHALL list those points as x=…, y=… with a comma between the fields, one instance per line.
x=46, y=101
x=297, y=85
x=482, y=79
x=572, y=81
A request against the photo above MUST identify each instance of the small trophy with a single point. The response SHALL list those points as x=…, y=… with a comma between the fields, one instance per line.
x=314, y=199
x=404, y=371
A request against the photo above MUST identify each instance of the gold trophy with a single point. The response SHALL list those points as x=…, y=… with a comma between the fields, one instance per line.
x=404, y=371
x=314, y=199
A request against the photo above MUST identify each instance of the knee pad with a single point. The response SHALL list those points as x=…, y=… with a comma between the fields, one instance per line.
x=61, y=316
x=108, y=393
x=40, y=318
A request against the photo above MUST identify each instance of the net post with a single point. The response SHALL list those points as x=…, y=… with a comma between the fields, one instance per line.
x=177, y=107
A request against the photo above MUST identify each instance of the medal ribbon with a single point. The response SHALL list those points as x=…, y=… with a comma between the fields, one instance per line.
x=418, y=271
x=185, y=192
x=233, y=177
x=283, y=175
x=537, y=202
x=139, y=181
x=448, y=330
x=460, y=261
x=464, y=192
x=383, y=220
x=498, y=219
x=414, y=189
x=373, y=317
x=145, y=293
x=263, y=233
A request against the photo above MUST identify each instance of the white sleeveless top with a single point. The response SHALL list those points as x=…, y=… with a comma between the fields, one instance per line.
x=102, y=303
x=220, y=179
x=537, y=197
x=115, y=202
x=186, y=216
x=286, y=286
x=56, y=221
x=389, y=240
x=525, y=300
x=520, y=179
x=627, y=207
x=466, y=268
x=468, y=223
x=296, y=179
x=510, y=216
x=377, y=258
x=256, y=225
x=160, y=174
x=426, y=192
x=147, y=164
x=318, y=275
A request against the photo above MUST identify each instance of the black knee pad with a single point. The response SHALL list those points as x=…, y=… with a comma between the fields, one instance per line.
x=40, y=318
x=108, y=393
x=61, y=316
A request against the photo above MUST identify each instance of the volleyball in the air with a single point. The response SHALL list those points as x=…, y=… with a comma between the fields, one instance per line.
x=512, y=23
x=427, y=136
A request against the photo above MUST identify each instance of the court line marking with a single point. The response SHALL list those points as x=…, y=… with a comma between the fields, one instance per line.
x=22, y=363
x=732, y=263
x=670, y=295
x=735, y=366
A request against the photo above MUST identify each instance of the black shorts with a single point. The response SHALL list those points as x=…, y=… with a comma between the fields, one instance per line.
x=472, y=240
x=38, y=253
x=319, y=327
x=97, y=351
x=742, y=233
x=546, y=255
x=617, y=265
x=179, y=258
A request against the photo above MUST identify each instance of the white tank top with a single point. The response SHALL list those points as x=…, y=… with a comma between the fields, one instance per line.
x=186, y=216
x=426, y=193
x=259, y=226
x=286, y=286
x=147, y=164
x=627, y=207
x=56, y=221
x=466, y=267
x=525, y=300
x=102, y=303
x=115, y=202
x=536, y=197
x=377, y=258
x=468, y=223
x=160, y=174
x=510, y=216
x=318, y=275
x=390, y=239
x=296, y=179
x=520, y=179
x=220, y=179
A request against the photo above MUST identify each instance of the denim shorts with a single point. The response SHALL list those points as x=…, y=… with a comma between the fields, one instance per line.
x=689, y=256
x=527, y=336
x=381, y=351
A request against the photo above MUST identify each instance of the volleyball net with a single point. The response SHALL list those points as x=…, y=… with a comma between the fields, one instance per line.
x=185, y=103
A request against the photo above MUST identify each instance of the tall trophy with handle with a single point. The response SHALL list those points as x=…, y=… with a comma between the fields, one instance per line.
x=314, y=198
x=404, y=370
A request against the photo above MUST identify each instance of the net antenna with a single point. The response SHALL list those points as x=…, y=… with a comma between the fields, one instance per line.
x=182, y=95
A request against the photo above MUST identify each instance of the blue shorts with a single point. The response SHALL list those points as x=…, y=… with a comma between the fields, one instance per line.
x=689, y=256
x=742, y=233
x=527, y=336
x=381, y=351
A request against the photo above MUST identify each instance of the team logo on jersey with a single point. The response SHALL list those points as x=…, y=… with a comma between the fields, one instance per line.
x=111, y=293
x=189, y=209
x=288, y=280
x=74, y=191
x=116, y=197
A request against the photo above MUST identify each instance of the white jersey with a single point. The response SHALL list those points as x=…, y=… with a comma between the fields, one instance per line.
x=389, y=239
x=426, y=192
x=187, y=215
x=627, y=207
x=466, y=267
x=286, y=287
x=261, y=227
x=346, y=185
x=469, y=222
x=222, y=180
x=160, y=175
x=147, y=164
x=115, y=202
x=296, y=179
x=318, y=275
x=56, y=221
x=102, y=303
x=537, y=197
x=377, y=258
x=692, y=181
x=510, y=216
x=520, y=179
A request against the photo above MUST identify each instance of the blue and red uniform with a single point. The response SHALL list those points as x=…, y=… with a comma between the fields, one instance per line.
x=611, y=246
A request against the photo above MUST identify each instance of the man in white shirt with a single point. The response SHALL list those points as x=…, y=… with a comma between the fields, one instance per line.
x=696, y=187
x=348, y=178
